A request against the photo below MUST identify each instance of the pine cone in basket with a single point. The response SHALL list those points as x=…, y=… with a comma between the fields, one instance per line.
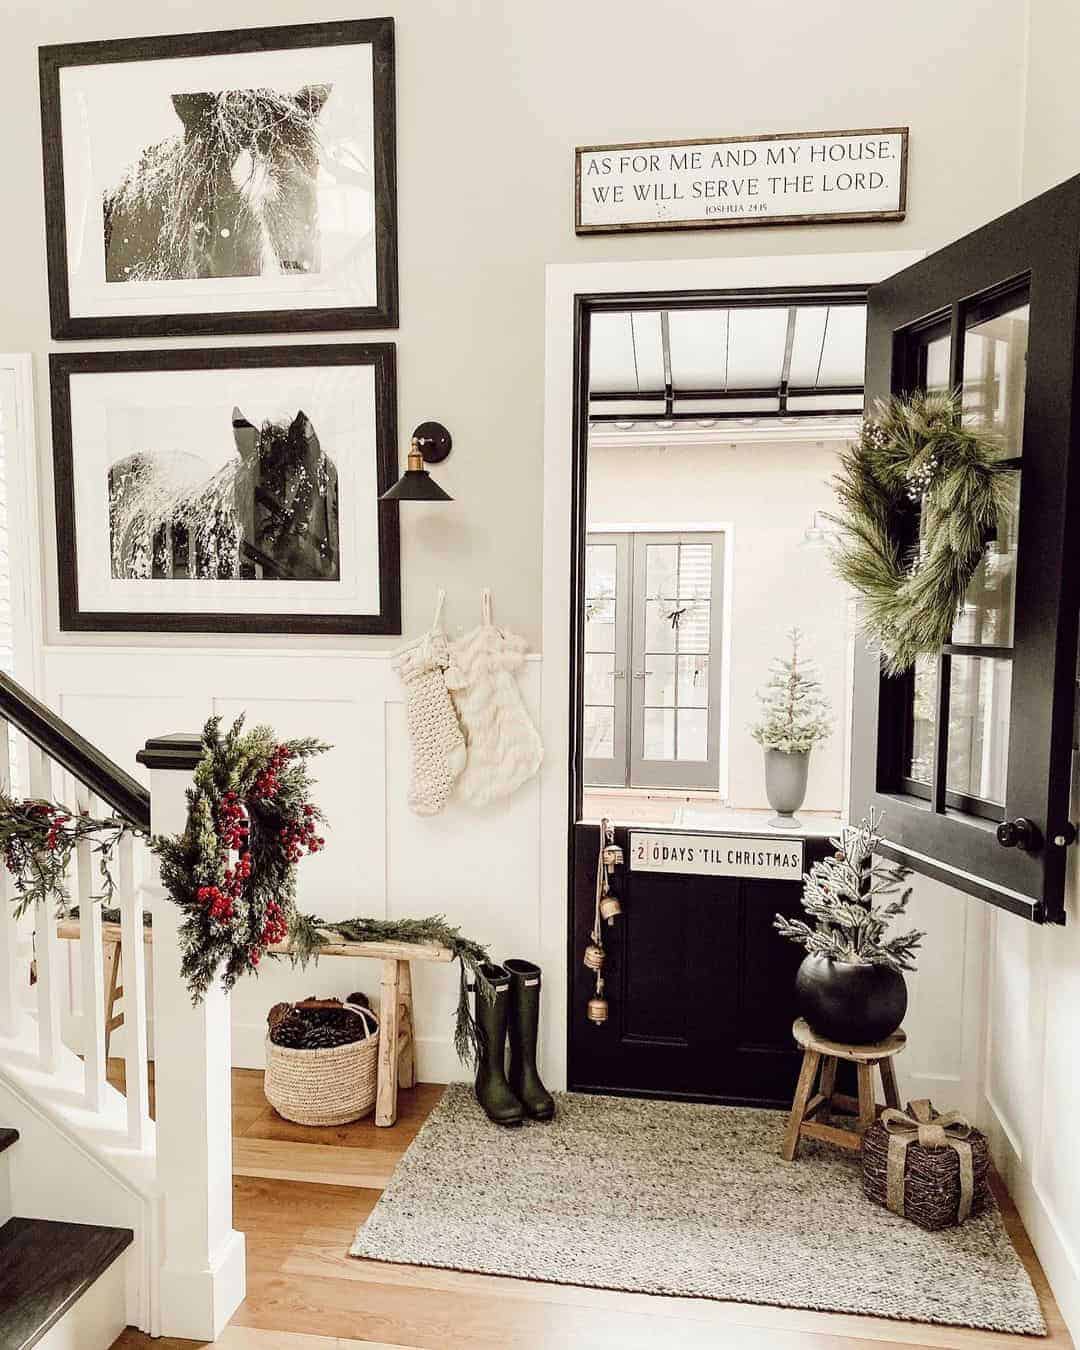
x=318, y=1024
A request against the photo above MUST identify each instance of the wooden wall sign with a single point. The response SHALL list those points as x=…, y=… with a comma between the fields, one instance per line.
x=794, y=178
x=717, y=855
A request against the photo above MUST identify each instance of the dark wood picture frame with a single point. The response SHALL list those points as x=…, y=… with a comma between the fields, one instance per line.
x=379, y=355
x=379, y=33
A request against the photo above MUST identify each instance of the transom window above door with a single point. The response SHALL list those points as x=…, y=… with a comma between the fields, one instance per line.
x=652, y=668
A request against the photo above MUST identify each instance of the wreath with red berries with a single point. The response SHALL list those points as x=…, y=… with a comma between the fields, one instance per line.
x=233, y=870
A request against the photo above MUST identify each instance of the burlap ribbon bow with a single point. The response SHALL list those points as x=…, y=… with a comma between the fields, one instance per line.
x=922, y=1125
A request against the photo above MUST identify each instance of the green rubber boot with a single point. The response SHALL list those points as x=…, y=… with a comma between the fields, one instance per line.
x=524, y=1027
x=492, y=1090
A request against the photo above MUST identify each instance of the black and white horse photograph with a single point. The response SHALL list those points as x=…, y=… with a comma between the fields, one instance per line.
x=270, y=511
x=228, y=488
x=233, y=193
x=206, y=187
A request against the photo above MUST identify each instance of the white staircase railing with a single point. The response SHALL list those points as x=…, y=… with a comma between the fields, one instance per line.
x=175, y=1173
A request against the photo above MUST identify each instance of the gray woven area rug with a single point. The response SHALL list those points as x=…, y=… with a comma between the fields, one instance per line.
x=669, y=1198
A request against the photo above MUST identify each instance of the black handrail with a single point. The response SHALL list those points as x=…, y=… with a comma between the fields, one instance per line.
x=61, y=742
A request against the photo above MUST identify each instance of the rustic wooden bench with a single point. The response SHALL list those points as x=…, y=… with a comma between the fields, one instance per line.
x=397, y=1035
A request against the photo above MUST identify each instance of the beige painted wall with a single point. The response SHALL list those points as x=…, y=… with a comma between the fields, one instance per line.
x=1051, y=146
x=492, y=97
x=767, y=492
x=1033, y=974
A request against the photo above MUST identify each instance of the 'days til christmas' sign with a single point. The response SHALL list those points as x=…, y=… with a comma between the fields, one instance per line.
x=787, y=179
x=717, y=855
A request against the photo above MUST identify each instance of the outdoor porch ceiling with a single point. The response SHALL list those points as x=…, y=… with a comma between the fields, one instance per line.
x=747, y=363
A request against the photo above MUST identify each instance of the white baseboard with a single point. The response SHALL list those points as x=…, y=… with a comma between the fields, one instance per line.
x=946, y=1091
x=197, y=1304
x=1056, y=1254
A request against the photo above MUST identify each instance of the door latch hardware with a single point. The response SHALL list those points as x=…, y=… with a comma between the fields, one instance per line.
x=1020, y=833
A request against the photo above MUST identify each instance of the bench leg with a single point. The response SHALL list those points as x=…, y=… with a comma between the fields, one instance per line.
x=113, y=993
x=406, y=1030
x=389, y=1010
x=811, y=1060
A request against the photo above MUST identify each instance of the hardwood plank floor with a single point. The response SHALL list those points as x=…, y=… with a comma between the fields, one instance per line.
x=299, y=1194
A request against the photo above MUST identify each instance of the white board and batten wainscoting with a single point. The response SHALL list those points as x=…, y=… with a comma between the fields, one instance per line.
x=479, y=867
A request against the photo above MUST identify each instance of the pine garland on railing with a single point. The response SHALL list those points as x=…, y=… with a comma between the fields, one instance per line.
x=308, y=934
x=37, y=840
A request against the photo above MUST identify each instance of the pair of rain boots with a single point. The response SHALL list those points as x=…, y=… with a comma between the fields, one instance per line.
x=509, y=1096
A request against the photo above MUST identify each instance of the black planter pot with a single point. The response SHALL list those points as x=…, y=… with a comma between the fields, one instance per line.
x=850, y=1002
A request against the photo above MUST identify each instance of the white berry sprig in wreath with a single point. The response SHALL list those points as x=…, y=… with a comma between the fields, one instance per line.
x=919, y=498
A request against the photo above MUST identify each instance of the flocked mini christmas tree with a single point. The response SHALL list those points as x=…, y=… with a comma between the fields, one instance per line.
x=795, y=713
x=854, y=902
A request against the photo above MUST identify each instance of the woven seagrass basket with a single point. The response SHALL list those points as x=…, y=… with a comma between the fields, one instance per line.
x=931, y=1178
x=328, y=1086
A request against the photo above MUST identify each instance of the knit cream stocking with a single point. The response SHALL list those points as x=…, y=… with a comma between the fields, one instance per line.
x=438, y=747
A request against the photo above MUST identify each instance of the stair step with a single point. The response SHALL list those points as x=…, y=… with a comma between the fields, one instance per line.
x=7, y=1138
x=45, y=1268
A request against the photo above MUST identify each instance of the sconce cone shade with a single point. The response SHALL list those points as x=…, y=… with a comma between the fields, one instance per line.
x=430, y=442
x=416, y=485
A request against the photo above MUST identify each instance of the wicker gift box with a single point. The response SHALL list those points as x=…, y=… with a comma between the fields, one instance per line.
x=929, y=1168
x=330, y=1085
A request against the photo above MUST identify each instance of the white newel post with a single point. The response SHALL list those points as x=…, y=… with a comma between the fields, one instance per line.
x=203, y=1268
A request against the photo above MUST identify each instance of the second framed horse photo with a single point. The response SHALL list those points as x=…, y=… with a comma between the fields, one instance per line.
x=215, y=183
x=227, y=490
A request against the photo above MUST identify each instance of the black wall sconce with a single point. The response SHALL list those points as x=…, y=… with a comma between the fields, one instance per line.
x=430, y=444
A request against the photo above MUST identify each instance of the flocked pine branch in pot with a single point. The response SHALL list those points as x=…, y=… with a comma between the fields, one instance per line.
x=850, y=986
x=795, y=716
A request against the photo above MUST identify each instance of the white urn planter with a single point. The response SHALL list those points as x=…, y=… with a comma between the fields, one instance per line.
x=785, y=784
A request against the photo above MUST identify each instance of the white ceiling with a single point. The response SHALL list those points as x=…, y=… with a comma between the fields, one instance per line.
x=706, y=355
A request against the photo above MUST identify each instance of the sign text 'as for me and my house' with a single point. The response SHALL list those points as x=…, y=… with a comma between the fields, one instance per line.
x=760, y=180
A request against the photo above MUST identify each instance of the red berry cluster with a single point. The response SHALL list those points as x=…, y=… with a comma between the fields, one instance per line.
x=267, y=783
x=297, y=836
x=233, y=823
x=53, y=816
x=220, y=900
x=276, y=927
x=217, y=901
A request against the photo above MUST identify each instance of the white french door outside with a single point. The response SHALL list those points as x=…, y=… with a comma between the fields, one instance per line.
x=652, y=660
x=607, y=658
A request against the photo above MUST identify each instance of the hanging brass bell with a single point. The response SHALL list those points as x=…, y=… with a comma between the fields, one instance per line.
x=610, y=909
x=598, y=1010
x=594, y=956
x=613, y=855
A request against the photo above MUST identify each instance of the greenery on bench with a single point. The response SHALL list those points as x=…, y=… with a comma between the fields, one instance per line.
x=308, y=934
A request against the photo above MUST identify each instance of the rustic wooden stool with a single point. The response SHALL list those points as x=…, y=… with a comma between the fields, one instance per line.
x=818, y=1052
